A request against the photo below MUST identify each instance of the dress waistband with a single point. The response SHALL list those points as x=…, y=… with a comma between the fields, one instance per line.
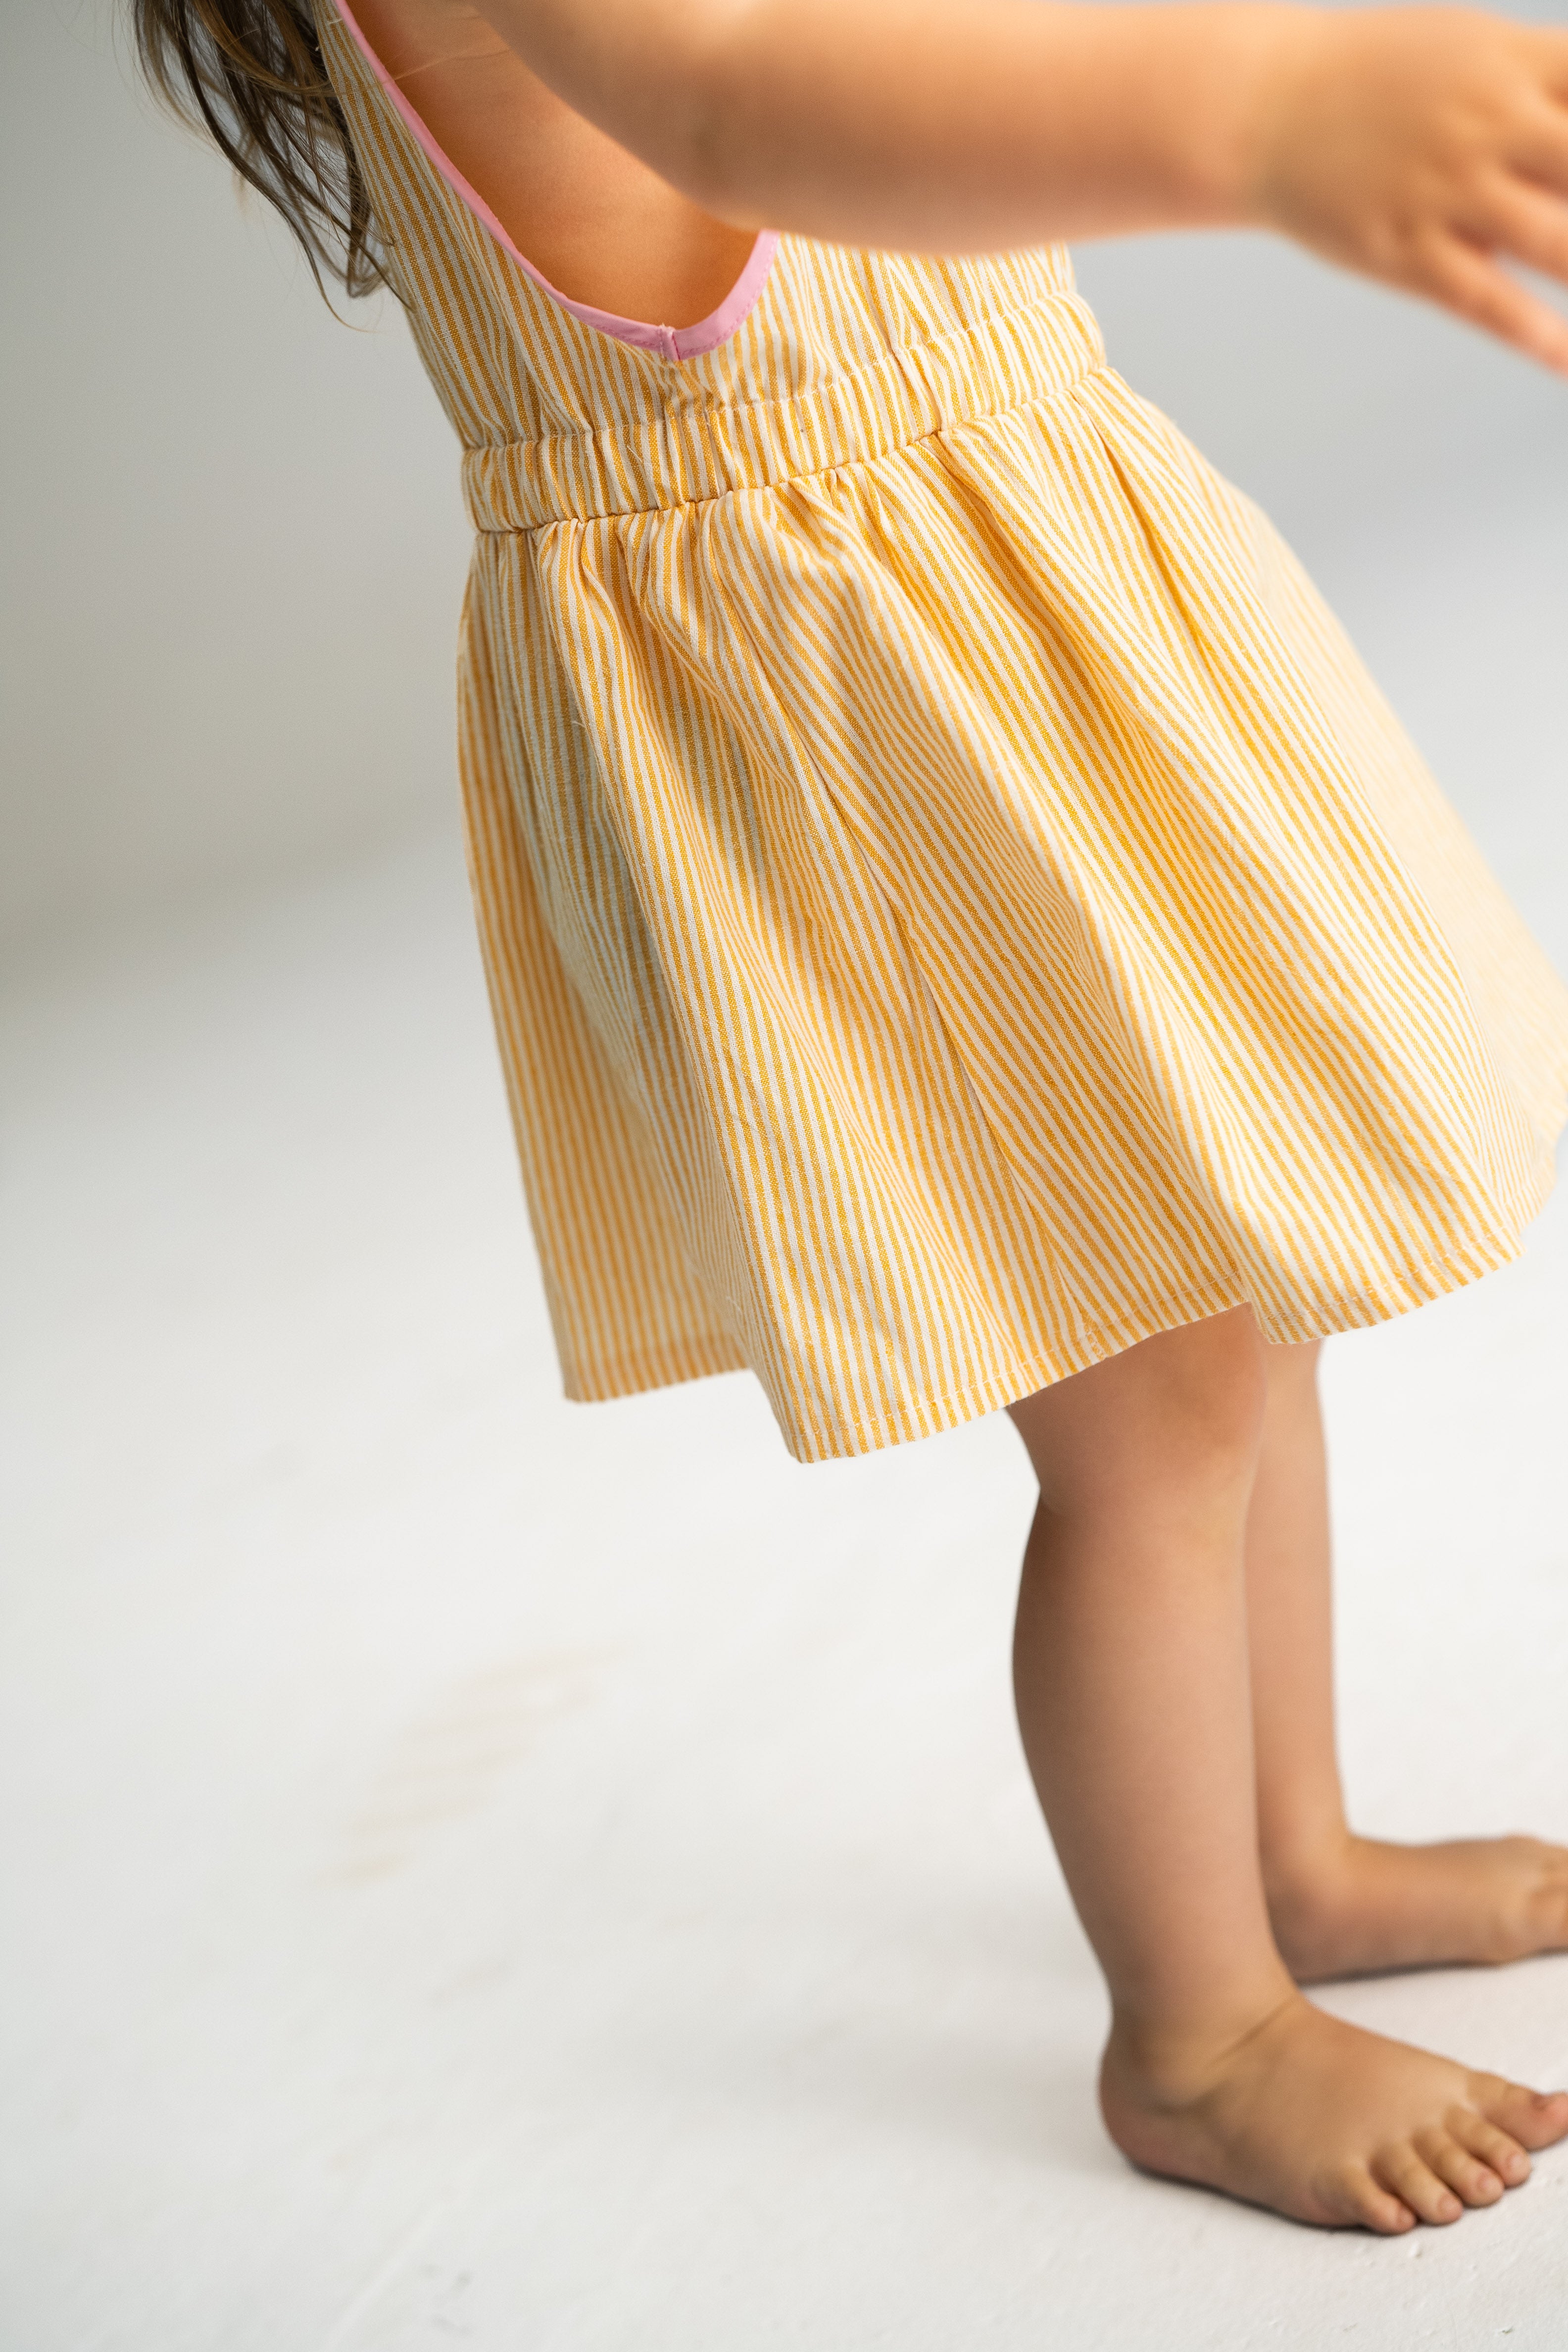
x=686, y=455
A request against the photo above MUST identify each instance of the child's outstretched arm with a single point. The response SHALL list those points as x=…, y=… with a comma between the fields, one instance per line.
x=1424, y=146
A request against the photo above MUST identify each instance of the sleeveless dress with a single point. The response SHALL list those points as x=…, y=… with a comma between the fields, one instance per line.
x=953, y=904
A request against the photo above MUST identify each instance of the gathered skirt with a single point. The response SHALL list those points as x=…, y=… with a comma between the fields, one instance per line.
x=955, y=904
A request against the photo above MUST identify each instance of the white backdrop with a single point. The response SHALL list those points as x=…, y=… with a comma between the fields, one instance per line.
x=234, y=548
x=563, y=1878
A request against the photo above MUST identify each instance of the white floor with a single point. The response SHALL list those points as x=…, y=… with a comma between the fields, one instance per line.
x=563, y=1878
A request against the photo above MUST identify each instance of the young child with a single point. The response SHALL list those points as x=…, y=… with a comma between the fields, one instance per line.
x=964, y=930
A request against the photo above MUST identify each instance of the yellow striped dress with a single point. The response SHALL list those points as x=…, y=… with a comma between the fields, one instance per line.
x=954, y=903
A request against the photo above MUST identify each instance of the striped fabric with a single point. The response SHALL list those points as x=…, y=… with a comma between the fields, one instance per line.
x=954, y=903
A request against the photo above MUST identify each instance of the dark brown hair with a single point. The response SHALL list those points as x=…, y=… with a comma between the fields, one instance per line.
x=251, y=73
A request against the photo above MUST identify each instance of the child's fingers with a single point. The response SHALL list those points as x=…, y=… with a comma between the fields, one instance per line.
x=1479, y=290
x=1538, y=149
x=1535, y=157
x=1531, y=227
x=1429, y=148
x=1548, y=48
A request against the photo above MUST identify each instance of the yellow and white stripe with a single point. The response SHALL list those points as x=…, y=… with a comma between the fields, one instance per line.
x=954, y=903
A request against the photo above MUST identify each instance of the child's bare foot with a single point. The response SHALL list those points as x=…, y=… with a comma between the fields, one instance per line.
x=1364, y=1904
x=1328, y=2125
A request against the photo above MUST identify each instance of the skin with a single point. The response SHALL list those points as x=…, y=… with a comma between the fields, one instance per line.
x=1340, y=1904
x=1173, y=1680
x=1173, y=1656
x=628, y=145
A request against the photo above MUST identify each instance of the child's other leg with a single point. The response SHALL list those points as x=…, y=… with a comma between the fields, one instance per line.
x=1341, y=1903
x=1133, y=1680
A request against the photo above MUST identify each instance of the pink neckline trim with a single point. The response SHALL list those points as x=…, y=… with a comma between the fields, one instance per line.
x=668, y=343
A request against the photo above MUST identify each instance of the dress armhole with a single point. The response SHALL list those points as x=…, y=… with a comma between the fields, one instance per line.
x=668, y=342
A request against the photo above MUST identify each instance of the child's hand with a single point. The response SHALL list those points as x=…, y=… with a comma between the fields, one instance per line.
x=1425, y=146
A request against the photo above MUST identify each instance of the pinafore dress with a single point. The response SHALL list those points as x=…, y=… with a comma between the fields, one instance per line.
x=954, y=903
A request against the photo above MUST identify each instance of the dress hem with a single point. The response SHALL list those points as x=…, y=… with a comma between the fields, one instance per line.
x=1414, y=1284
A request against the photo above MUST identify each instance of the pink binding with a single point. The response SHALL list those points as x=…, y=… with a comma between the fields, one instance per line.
x=668, y=343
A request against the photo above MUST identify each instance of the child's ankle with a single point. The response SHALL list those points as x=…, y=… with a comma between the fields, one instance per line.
x=1306, y=1876
x=1171, y=2062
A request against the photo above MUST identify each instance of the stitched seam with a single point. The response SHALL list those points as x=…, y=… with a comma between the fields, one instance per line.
x=806, y=473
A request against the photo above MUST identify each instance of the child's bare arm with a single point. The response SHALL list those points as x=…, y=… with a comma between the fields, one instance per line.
x=1420, y=145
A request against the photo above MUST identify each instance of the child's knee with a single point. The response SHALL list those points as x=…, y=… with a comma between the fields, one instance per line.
x=1207, y=1388
x=1183, y=1411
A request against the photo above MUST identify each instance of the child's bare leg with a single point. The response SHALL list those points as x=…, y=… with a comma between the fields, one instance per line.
x=1341, y=1903
x=1132, y=1679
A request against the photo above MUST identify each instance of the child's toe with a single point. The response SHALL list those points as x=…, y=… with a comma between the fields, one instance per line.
x=1359, y=2201
x=1535, y=2118
x=1490, y=2146
x=1550, y=1906
x=1465, y=2174
x=1408, y=2176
